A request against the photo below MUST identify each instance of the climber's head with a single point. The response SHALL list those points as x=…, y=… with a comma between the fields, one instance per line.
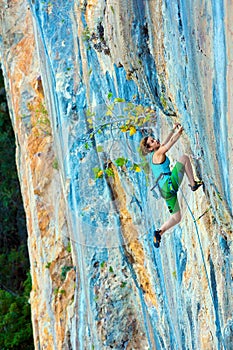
x=149, y=144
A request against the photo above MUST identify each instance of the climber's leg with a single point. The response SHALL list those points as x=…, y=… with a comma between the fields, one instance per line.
x=187, y=168
x=174, y=220
x=174, y=209
x=177, y=174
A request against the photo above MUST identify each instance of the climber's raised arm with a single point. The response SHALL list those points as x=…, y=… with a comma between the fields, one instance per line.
x=149, y=144
x=171, y=133
x=171, y=139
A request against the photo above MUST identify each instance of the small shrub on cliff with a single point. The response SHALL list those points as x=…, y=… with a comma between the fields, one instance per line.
x=64, y=271
x=68, y=248
x=55, y=164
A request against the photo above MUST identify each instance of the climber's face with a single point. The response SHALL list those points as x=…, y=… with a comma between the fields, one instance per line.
x=152, y=144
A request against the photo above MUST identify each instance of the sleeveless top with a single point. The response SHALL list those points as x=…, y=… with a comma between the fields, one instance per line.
x=160, y=168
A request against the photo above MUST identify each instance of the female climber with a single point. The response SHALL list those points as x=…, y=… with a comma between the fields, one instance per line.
x=168, y=181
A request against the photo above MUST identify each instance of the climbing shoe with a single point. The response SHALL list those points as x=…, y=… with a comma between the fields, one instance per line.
x=196, y=186
x=157, y=238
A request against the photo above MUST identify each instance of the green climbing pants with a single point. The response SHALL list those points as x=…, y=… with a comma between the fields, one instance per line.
x=171, y=186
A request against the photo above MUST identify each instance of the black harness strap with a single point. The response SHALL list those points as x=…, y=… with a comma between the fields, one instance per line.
x=160, y=176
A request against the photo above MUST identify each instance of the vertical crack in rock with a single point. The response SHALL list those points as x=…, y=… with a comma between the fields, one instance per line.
x=133, y=247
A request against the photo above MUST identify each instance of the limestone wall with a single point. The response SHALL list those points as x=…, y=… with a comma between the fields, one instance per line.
x=98, y=283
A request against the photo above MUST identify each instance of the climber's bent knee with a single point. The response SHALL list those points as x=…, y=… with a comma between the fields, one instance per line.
x=183, y=159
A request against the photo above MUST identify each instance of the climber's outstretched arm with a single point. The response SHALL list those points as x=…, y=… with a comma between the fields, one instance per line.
x=171, y=133
x=175, y=136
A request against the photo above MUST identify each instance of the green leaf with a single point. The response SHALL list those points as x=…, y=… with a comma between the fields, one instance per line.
x=121, y=161
x=99, y=149
x=68, y=248
x=102, y=264
x=64, y=271
x=110, y=94
x=109, y=172
x=124, y=128
x=55, y=164
x=89, y=113
x=118, y=99
x=136, y=168
x=98, y=172
x=56, y=291
x=123, y=284
x=89, y=120
x=110, y=269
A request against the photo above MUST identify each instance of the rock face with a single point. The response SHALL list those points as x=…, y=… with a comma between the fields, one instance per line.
x=98, y=283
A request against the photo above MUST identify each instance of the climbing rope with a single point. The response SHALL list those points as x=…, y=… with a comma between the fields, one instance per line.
x=205, y=268
x=203, y=258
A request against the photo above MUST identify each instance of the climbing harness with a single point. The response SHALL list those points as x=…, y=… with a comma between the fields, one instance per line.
x=171, y=189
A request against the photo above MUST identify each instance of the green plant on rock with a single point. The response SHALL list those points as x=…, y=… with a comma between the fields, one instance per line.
x=55, y=164
x=68, y=248
x=56, y=291
x=123, y=284
x=109, y=172
x=86, y=34
x=103, y=264
x=121, y=161
x=100, y=173
x=41, y=121
x=64, y=271
x=135, y=167
x=163, y=101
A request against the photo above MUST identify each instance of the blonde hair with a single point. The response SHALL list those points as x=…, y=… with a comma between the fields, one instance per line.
x=144, y=146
